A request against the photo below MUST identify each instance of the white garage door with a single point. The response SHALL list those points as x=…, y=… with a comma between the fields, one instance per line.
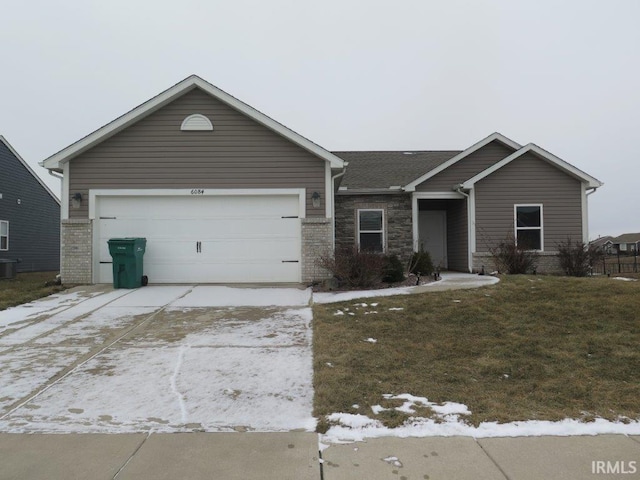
x=204, y=239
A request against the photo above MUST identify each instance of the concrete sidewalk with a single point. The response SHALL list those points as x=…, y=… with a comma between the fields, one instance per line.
x=460, y=458
x=294, y=455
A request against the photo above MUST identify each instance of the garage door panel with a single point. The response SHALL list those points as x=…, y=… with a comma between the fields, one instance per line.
x=205, y=239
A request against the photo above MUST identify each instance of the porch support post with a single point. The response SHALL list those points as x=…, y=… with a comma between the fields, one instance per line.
x=471, y=228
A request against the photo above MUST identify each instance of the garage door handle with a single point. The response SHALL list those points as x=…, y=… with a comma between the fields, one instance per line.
x=198, y=247
x=290, y=261
x=291, y=216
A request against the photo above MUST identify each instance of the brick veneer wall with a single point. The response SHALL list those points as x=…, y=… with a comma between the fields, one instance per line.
x=75, y=251
x=398, y=221
x=317, y=241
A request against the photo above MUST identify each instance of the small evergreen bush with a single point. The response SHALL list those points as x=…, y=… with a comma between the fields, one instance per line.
x=421, y=264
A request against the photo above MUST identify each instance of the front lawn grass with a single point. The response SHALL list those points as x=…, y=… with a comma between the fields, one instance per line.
x=528, y=348
x=27, y=287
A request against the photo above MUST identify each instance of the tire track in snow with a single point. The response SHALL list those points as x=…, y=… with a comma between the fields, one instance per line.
x=174, y=383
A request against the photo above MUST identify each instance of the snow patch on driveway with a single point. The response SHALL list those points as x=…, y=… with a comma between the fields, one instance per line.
x=219, y=296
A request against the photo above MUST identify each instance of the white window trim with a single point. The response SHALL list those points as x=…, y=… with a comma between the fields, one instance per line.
x=7, y=223
x=382, y=231
x=541, y=227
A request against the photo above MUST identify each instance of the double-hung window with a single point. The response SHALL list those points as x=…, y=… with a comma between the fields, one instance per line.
x=4, y=235
x=371, y=230
x=528, y=227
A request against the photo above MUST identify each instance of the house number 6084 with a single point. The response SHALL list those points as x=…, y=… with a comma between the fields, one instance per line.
x=197, y=191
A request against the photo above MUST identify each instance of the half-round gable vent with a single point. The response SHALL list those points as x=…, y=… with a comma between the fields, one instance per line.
x=196, y=122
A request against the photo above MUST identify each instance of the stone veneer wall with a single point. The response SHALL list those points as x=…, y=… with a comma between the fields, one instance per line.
x=548, y=263
x=398, y=221
x=75, y=251
x=317, y=241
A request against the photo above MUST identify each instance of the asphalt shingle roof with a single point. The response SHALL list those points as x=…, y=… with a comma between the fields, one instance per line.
x=384, y=169
x=627, y=238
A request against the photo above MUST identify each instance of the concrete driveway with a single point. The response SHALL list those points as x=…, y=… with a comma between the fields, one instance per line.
x=160, y=358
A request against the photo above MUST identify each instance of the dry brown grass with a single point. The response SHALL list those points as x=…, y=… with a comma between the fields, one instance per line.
x=27, y=287
x=530, y=347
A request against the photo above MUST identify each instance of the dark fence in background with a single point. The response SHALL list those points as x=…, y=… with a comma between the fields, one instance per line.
x=617, y=264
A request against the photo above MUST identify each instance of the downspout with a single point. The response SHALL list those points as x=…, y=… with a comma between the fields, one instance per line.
x=585, y=213
x=458, y=188
x=333, y=204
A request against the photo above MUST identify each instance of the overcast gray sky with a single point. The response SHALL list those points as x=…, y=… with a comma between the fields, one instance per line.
x=347, y=74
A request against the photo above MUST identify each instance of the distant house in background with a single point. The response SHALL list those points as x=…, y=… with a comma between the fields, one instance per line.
x=602, y=243
x=627, y=242
x=29, y=215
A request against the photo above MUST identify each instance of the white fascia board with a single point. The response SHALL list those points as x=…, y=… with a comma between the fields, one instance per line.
x=549, y=157
x=410, y=187
x=188, y=192
x=438, y=195
x=54, y=161
x=29, y=169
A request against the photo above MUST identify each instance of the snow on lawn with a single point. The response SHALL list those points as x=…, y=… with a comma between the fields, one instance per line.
x=448, y=422
x=626, y=279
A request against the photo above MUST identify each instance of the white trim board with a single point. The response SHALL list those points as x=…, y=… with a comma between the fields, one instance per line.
x=544, y=155
x=188, y=192
x=410, y=187
x=54, y=162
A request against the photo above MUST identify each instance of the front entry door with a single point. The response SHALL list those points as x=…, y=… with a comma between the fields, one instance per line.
x=432, y=225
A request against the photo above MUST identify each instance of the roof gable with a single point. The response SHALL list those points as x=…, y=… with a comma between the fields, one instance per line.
x=28, y=168
x=591, y=182
x=410, y=187
x=55, y=161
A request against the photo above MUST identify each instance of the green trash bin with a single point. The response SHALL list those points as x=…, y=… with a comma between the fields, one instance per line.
x=127, y=256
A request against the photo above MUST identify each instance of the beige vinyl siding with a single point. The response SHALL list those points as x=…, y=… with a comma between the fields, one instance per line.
x=466, y=168
x=528, y=180
x=155, y=153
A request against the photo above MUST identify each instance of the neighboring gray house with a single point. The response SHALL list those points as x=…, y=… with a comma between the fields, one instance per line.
x=29, y=215
x=224, y=193
x=627, y=242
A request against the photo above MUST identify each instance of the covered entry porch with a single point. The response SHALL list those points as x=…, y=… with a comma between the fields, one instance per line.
x=441, y=227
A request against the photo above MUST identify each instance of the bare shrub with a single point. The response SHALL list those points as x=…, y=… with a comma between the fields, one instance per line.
x=512, y=258
x=576, y=258
x=353, y=269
